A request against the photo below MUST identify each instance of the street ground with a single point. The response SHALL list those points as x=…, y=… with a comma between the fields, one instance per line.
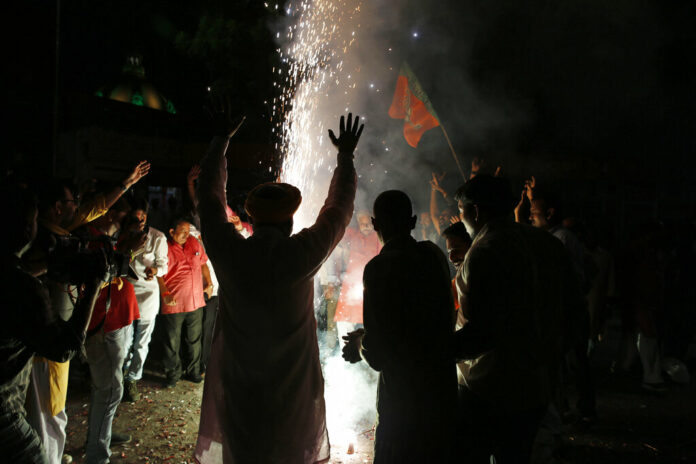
x=634, y=426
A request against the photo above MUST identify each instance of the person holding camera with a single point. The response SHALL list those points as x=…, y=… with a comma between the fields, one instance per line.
x=60, y=213
x=31, y=327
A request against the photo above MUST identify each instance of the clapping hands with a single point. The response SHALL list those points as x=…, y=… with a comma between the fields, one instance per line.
x=351, y=349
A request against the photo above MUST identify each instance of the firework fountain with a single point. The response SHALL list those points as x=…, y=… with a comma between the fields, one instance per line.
x=320, y=80
x=319, y=40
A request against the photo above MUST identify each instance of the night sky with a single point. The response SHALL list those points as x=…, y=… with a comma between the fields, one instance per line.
x=608, y=81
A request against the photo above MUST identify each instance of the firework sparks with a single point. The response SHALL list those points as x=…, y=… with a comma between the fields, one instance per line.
x=317, y=86
x=321, y=36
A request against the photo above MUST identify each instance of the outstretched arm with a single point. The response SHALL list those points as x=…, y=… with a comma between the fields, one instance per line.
x=139, y=171
x=191, y=184
x=212, y=180
x=100, y=204
x=317, y=242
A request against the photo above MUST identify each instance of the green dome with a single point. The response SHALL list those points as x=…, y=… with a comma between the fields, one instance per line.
x=134, y=89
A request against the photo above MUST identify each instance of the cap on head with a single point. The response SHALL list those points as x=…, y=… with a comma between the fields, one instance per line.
x=272, y=203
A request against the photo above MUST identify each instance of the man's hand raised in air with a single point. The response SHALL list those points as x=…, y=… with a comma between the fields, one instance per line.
x=349, y=134
x=139, y=171
x=222, y=121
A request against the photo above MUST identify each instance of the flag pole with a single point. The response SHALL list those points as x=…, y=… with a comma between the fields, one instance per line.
x=454, y=155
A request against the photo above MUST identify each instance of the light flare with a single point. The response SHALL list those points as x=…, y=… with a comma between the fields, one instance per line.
x=322, y=35
x=318, y=85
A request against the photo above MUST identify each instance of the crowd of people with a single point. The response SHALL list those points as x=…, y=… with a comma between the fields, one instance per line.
x=94, y=277
x=478, y=315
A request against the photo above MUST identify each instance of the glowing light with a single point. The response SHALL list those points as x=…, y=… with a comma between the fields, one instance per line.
x=318, y=83
x=322, y=35
x=415, y=36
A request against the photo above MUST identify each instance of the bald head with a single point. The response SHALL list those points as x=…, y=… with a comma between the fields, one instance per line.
x=393, y=214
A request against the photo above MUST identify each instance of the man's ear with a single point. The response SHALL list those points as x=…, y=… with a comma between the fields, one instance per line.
x=549, y=213
x=476, y=216
x=375, y=224
x=58, y=208
x=171, y=233
x=414, y=221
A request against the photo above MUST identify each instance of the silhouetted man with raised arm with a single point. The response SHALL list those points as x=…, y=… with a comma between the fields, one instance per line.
x=409, y=322
x=265, y=353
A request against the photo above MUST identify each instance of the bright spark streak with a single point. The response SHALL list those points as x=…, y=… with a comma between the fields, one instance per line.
x=322, y=37
x=319, y=85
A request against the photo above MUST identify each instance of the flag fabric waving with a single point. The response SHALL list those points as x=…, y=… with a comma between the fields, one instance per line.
x=411, y=104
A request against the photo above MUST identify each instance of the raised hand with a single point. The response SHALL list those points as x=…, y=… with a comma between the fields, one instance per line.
x=222, y=121
x=520, y=205
x=193, y=173
x=349, y=134
x=529, y=186
x=435, y=183
x=139, y=171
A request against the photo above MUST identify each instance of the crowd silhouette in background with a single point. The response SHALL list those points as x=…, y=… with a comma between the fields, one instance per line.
x=480, y=314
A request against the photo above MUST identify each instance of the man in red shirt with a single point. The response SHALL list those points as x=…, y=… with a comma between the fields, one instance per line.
x=361, y=245
x=182, y=289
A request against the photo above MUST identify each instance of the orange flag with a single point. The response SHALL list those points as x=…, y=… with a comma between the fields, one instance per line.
x=412, y=105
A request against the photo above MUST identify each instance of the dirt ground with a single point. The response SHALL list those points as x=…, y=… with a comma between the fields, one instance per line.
x=634, y=426
x=164, y=425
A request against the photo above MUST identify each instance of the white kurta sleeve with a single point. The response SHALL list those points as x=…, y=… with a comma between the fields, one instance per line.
x=161, y=255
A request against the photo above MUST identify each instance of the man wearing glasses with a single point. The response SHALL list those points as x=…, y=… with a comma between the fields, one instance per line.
x=59, y=214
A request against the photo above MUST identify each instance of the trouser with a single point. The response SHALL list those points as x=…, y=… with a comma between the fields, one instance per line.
x=649, y=351
x=579, y=363
x=209, y=313
x=191, y=325
x=105, y=355
x=331, y=337
x=548, y=438
x=19, y=442
x=49, y=428
x=487, y=429
x=138, y=336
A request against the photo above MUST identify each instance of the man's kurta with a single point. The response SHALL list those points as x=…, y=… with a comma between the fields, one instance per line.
x=265, y=351
x=516, y=289
x=409, y=325
x=154, y=253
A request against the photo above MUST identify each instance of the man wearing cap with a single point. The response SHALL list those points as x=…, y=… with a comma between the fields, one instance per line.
x=265, y=352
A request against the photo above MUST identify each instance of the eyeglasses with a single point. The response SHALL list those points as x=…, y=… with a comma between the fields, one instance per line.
x=68, y=200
